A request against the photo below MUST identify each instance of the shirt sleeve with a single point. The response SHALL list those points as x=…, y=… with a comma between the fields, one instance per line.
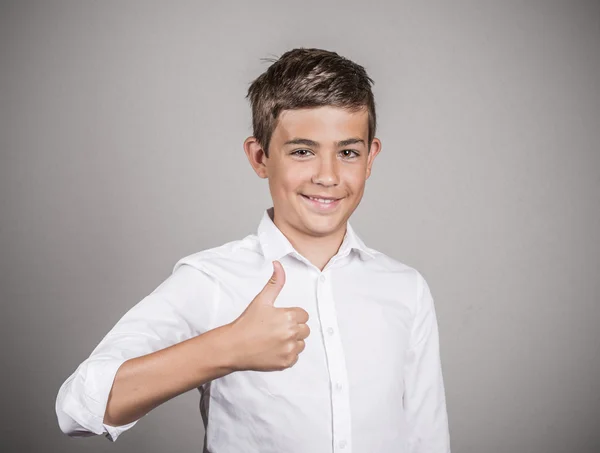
x=424, y=397
x=182, y=307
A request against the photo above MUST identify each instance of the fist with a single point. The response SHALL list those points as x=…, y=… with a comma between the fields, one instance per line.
x=269, y=338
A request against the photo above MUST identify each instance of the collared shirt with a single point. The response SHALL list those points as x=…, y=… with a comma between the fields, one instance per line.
x=368, y=380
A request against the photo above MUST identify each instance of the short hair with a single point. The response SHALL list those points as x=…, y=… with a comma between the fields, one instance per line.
x=306, y=78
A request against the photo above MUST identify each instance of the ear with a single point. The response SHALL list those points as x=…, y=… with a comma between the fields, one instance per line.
x=256, y=156
x=373, y=151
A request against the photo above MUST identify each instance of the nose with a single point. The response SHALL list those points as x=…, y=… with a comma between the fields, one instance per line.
x=326, y=172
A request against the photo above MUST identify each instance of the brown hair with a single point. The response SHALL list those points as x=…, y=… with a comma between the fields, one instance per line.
x=304, y=78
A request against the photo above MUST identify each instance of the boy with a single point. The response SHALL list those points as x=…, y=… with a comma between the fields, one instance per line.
x=300, y=338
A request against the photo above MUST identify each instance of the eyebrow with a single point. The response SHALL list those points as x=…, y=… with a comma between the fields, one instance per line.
x=313, y=144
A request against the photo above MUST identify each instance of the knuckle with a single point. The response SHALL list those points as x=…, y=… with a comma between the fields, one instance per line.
x=302, y=331
x=289, y=348
x=288, y=361
x=292, y=360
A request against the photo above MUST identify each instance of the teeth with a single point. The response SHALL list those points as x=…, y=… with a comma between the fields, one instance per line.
x=321, y=200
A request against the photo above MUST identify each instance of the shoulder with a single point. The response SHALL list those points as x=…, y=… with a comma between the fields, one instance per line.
x=240, y=252
x=384, y=262
x=408, y=277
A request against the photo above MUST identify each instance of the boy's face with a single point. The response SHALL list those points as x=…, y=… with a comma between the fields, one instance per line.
x=320, y=153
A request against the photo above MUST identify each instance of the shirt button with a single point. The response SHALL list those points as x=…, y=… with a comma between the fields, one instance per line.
x=338, y=386
x=322, y=278
x=342, y=444
x=330, y=331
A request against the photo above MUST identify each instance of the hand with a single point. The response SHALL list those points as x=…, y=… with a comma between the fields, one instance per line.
x=269, y=338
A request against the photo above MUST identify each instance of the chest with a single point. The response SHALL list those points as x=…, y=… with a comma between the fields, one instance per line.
x=359, y=321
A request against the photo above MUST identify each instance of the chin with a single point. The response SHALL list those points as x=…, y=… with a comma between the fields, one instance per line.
x=324, y=227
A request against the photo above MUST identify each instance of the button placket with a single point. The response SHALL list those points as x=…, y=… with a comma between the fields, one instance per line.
x=340, y=403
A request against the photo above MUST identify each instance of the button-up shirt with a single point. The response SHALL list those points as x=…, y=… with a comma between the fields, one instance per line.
x=369, y=379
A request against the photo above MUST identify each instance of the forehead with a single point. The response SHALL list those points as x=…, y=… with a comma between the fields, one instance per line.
x=327, y=123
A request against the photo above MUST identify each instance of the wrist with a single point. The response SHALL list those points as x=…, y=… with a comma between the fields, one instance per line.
x=230, y=354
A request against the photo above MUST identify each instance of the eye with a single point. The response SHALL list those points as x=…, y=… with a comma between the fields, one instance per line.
x=350, y=153
x=301, y=152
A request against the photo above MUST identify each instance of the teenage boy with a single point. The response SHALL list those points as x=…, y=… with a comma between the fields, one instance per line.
x=300, y=338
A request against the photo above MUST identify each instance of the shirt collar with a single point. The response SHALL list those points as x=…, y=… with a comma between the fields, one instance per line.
x=275, y=245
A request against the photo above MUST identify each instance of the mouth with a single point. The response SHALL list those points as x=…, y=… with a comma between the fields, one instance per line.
x=321, y=204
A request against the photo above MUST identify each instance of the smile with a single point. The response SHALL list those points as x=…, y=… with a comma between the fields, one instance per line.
x=322, y=204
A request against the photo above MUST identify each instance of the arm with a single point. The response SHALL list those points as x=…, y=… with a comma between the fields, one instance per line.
x=424, y=397
x=163, y=347
x=143, y=383
x=180, y=309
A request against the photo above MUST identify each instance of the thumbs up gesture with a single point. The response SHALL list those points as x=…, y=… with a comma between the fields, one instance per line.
x=269, y=338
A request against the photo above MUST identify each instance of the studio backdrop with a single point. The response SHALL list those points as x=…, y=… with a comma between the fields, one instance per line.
x=121, y=130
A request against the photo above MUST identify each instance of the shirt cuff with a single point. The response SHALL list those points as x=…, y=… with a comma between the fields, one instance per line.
x=85, y=400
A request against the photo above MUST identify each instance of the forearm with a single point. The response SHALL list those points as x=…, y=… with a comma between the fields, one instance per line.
x=143, y=383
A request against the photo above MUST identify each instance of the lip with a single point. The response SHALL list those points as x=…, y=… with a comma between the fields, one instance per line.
x=321, y=207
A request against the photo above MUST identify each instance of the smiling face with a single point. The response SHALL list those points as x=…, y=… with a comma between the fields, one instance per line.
x=317, y=168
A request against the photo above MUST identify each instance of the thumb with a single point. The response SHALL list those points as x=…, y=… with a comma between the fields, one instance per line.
x=274, y=285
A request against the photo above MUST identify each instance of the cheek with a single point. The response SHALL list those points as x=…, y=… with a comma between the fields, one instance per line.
x=355, y=180
x=296, y=177
x=290, y=179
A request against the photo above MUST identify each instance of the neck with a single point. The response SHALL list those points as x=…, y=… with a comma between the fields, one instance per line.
x=317, y=250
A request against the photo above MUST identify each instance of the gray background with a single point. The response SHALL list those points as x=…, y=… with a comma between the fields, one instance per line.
x=121, y=134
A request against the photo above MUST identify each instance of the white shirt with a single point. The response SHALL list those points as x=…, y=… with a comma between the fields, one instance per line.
x=369, y=379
